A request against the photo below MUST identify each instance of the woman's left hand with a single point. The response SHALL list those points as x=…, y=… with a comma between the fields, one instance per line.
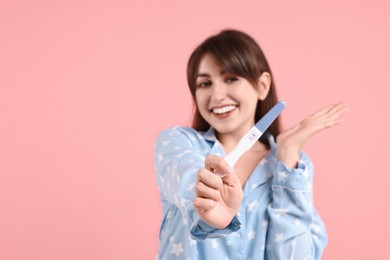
x=290, y=141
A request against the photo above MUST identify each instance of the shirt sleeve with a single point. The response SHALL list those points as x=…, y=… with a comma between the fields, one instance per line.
x=178, y=157
x=296, y=231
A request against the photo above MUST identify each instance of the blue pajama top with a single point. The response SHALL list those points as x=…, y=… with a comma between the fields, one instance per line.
x=276, y=219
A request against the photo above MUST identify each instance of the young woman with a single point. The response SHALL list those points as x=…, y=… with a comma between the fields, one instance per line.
x=261, y=209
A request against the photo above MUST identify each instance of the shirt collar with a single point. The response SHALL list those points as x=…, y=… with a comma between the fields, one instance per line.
x=209, y=135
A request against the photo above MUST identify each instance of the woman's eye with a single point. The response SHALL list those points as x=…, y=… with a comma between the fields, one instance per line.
x=231, y=79
x=204, y=84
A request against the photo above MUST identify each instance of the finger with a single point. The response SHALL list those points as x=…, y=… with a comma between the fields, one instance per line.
x=207, y=192
x=231, y=180
x=336, y=109
x=339, y=110
x=331, y=123
x=320, y=121
x=209, y=179
x=217, y=164
x=334, y=116
x=329, y=110
x=202, y=204
x=321, y=124
x=322, y=111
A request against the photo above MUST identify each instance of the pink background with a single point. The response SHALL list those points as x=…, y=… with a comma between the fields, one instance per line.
x=85, y=86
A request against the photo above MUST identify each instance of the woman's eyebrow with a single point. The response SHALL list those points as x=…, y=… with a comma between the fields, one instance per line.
x=203, y=75
x=223, y=72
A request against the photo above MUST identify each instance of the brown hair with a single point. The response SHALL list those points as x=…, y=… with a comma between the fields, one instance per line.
x=237, y=53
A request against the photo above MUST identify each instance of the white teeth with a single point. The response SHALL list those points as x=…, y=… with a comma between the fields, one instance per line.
x=223, y=110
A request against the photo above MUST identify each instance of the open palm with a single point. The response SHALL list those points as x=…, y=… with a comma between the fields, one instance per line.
x=290, y=141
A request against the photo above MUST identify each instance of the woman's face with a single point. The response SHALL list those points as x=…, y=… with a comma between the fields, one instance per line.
x=226, y=101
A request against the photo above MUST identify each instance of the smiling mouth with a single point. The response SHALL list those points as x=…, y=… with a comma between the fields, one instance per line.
x=223, y=110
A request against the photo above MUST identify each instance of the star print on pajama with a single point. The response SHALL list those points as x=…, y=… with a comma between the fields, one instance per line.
x=276, y=219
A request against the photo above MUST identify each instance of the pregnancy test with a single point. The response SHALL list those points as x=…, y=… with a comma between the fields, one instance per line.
x=254, y=134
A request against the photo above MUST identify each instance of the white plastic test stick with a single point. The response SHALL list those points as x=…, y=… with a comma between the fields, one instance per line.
x=254, y=134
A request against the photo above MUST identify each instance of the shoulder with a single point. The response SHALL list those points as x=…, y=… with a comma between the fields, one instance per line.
x=179, y=132
x=179, y=135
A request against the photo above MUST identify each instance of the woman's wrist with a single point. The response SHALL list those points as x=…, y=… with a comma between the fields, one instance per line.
x=289, y=156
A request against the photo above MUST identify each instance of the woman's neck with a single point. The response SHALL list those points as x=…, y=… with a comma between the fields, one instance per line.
x=229, y=140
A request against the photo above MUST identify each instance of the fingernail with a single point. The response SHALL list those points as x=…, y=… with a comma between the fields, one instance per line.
x=229, y=170
x=220, y=174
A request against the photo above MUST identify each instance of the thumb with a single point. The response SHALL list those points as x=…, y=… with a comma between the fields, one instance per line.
x=218, y=165
x=230, y=178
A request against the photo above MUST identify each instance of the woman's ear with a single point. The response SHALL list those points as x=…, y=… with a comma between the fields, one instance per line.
x=264, y=84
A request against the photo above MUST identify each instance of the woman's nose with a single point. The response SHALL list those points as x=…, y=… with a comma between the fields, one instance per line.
x=219, y=92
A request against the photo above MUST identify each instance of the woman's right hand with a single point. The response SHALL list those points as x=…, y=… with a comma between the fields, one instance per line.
x=218, y=199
